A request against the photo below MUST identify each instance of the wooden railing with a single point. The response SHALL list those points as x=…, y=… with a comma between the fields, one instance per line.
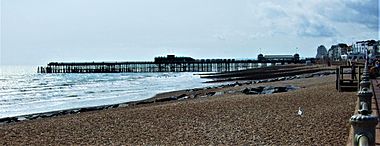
x=348, y=78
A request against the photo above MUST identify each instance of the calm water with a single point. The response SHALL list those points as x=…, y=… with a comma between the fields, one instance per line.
x=22, y=91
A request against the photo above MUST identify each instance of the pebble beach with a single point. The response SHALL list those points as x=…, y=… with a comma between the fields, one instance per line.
x=228, y=119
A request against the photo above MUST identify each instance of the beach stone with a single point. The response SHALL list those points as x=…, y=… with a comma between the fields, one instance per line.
x=245, y=91
x=198, y=89
x=223, y=86
x=72, y=111
x=203, y=96
x=231, y=92
x=309, y=76
x=186, y=97
x=8, y=120
x=194, y=95
x=115, y=105
x=258, y=89
x=253, y=92
x=280, y=89
x=47, y=115
x=183, y=96
x=282, y=78
x=22, y=118
x=268, y=90
x=123, y=105
x=210, y=93
x=291, y=88
x=237, y=84
x=34, y=116
x=218, y=93
x=148, y=102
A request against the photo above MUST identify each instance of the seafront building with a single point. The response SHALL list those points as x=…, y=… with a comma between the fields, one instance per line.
x=321, y=52
x=356, y=51
x=337, y=52
x=359, y=50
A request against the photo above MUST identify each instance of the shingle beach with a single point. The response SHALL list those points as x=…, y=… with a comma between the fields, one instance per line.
x=231, y=119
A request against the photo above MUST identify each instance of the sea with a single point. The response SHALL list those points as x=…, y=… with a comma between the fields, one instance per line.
x=23, y=91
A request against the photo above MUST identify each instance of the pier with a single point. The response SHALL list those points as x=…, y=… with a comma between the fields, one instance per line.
x=170, y=63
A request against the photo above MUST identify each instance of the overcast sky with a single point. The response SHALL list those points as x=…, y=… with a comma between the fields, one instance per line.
x=35, y=32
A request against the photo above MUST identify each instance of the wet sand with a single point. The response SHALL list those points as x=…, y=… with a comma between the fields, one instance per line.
x=235, y=118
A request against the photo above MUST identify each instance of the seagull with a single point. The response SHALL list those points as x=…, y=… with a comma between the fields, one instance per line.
x=300, y=112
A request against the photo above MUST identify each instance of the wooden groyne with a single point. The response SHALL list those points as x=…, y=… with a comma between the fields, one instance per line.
x=167, y=64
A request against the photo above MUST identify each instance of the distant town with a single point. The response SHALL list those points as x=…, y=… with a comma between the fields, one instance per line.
x=355, y=51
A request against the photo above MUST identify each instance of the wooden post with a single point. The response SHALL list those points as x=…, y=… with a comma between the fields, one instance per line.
x=337, y=79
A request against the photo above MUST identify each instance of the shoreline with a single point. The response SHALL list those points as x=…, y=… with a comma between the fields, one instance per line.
x=163, y=97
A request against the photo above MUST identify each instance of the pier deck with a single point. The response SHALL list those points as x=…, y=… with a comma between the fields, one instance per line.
x=165, y=64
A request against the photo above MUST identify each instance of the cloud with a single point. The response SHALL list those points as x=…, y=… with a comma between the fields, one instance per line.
x=366, y=12
x=268, y=9
x=363, y=12
x=320, y=18
x=310, y=28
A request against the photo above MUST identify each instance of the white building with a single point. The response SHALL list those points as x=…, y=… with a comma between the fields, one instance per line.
x=336, y=51
x=359, y=49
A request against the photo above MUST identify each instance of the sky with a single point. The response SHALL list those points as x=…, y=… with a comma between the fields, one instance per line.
x=35, y=32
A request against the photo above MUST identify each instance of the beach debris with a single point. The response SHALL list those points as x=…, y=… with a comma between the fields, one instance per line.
x=300, y=112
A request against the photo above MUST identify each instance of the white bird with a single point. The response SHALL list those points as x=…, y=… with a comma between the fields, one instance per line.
x=300, y=112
